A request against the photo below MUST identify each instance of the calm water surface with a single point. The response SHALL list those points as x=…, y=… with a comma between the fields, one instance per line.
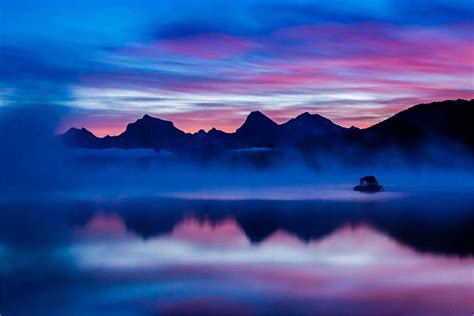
x=392, y=254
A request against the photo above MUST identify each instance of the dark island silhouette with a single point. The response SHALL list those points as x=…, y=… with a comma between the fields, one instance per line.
x=447, y=122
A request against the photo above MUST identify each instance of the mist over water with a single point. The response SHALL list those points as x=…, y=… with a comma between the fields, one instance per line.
x=32, y=161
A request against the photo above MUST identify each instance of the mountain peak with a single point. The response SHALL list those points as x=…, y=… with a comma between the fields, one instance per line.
x=309, y=116
x=79, y=137
x=149, y=132
x=256, y=114
x=257, y=120
x=214, y=132
x=200, y=133
x=258, y=131
x=305, y=114
x=310, y=125
x=76, y=131
x=72, y=130
x=148, y=121
x=150, y=118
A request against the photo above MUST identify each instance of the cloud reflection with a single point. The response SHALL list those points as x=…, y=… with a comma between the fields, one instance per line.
x=355, y=265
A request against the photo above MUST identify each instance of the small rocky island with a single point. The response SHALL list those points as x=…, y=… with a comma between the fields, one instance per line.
x=368, y=184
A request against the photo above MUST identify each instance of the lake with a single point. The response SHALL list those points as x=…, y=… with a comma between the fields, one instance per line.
x=239, y=253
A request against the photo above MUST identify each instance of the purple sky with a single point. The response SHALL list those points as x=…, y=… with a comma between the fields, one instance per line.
x=206, y=64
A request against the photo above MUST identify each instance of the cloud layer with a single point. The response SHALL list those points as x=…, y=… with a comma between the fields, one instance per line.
x=204, y=64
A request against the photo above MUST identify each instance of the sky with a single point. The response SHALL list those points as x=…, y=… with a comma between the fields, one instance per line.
x=205, y=64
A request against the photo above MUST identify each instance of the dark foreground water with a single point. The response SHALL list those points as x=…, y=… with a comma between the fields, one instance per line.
x=387, y=254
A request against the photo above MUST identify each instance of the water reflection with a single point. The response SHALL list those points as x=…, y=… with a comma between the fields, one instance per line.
x=205, y=257
x=442, y=225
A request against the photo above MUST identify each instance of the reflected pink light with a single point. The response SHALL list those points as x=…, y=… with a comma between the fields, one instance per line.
x=353, y=265
x=205, y=232
x=103, y=225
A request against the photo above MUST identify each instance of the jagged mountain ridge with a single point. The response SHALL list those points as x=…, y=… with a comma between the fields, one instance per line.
x=258, y=130
x=447, y=120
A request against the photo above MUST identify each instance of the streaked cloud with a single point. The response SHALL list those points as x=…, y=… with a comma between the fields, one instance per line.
x=205, y=64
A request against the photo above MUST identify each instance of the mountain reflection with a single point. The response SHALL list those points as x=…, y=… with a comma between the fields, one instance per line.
x=155, y=256
x=419, y=221
x=416, y=222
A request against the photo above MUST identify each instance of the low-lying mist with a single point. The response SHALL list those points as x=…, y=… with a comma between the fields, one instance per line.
x=33, y=161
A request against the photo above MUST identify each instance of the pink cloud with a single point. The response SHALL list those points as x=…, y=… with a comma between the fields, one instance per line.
x=382, y=47
x=395, y=67
x=227, y=119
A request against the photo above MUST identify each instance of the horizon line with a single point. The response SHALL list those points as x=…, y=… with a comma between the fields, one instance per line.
x=63, y=129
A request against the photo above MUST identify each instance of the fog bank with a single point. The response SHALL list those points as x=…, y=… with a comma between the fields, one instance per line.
x=33, y=161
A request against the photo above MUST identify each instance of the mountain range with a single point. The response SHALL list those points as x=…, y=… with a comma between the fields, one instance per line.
x=439, y=122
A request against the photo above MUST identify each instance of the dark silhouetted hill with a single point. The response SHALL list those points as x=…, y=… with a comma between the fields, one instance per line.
x=426, y=123
x=307, y=127
x=258, y=131
x=150, y=132
x=81, y=138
